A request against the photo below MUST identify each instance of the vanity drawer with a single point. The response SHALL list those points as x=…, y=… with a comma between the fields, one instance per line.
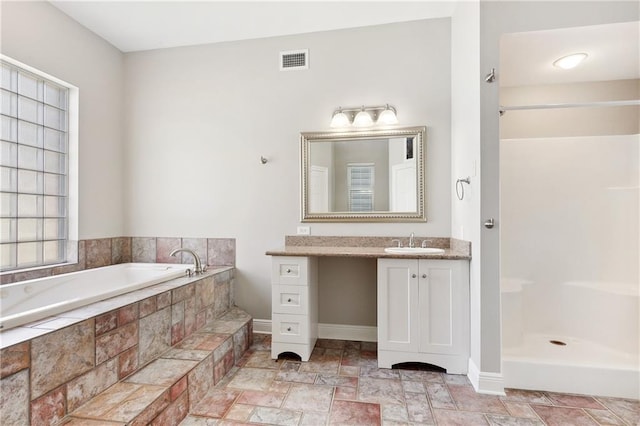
x=290, y=299
x=290, y=328
x=290, y=270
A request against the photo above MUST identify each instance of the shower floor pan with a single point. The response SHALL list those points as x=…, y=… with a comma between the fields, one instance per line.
x=578, y=367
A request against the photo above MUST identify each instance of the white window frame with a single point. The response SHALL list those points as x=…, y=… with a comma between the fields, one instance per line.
x=71, y=255
x=355, y=191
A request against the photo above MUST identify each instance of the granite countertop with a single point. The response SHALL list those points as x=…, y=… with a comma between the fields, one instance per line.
x=372, y=247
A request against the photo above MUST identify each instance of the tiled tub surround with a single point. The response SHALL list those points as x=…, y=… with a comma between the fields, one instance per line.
x=163, y=392
x=53, y=367
x=100, y=252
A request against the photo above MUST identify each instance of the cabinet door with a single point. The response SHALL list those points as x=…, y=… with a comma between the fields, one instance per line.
x=398, y=304
x=441, y=307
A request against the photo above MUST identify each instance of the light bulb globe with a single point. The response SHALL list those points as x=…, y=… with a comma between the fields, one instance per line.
x=340, y=119
x=388, y=116
x=363, y=119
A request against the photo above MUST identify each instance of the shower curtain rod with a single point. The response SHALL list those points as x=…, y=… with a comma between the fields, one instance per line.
x=630, y=102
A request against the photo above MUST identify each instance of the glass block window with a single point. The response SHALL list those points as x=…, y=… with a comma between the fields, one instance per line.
x=34, y=166
x=360, y=181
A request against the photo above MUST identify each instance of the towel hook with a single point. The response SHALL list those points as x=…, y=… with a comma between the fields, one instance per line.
x=460, y=187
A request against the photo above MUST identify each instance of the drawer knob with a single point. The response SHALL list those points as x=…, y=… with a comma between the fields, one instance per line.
x=288, y=328
x=288, y=271
x=413, y=275
x=289, y=300
x=424, y=275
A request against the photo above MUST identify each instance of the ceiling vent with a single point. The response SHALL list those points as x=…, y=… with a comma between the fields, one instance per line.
x=294, y=60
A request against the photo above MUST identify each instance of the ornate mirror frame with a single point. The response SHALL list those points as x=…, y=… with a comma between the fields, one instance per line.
x=418, y=135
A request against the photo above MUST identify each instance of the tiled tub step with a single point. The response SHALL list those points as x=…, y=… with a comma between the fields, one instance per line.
x=163, y=392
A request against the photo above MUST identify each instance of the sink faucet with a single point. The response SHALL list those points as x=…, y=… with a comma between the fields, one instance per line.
x=199, y=269
x=411, y=243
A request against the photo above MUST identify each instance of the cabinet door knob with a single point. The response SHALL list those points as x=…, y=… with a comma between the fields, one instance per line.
x=413, y=275
x=424, y=275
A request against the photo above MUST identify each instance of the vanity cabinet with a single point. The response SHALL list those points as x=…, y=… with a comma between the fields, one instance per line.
x=423, y=313
x=294, y=312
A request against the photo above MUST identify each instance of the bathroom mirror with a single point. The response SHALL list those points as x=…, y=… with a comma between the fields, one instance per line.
x=363, y=176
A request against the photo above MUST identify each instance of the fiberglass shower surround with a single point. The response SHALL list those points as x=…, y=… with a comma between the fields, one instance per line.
x=569, y=253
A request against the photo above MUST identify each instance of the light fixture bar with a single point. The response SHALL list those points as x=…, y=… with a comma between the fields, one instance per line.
x=357, y=116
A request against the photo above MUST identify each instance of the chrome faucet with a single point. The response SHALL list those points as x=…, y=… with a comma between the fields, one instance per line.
x=411, y=243
x=199, y=269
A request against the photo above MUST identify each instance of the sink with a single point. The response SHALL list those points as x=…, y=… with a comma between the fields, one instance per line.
x=413, y=250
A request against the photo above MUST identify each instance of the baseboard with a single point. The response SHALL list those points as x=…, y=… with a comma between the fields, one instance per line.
x=486, y=383
x=262, y=326
x=359, y=333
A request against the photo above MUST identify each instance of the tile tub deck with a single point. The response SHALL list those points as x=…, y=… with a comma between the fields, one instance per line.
x=52, y=367
x=168, y=388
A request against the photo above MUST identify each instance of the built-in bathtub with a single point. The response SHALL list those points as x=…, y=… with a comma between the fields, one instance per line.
x=576, y=337
x=53, y=365
x=32, y=300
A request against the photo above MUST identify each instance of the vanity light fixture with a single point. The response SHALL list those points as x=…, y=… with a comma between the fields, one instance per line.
x=388, y=115
x=364, y=116
x=570, y=61
x=363, y=119
x=340, y=119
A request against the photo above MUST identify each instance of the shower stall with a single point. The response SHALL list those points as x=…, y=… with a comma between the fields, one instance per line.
x=570, y=264
x=569, y=237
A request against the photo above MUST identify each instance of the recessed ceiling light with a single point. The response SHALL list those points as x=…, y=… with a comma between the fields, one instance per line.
x=570, y=61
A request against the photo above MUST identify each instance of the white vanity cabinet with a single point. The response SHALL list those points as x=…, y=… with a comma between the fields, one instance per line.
x=423, y=313
x=294, y=312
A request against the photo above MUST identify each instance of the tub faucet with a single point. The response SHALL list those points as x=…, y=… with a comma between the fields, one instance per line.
x=411, y=243
x=199, y=269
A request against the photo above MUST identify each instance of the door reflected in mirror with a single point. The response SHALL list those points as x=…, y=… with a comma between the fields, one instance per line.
x=374, y=175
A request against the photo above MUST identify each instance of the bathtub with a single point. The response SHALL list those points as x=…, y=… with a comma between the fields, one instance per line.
x=28, y=301
x=575, y=337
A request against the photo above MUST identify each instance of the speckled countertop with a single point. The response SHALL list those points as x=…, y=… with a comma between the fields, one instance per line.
x=369, y=247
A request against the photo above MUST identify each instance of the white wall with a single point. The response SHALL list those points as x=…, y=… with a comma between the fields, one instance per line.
x=496, y=19
x=39, y=35
x=199, y=118
x=465, y=149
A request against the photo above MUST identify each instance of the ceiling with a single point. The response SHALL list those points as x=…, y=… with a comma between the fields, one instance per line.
x=613, y=49
x=526, y=58
x=143, y=25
